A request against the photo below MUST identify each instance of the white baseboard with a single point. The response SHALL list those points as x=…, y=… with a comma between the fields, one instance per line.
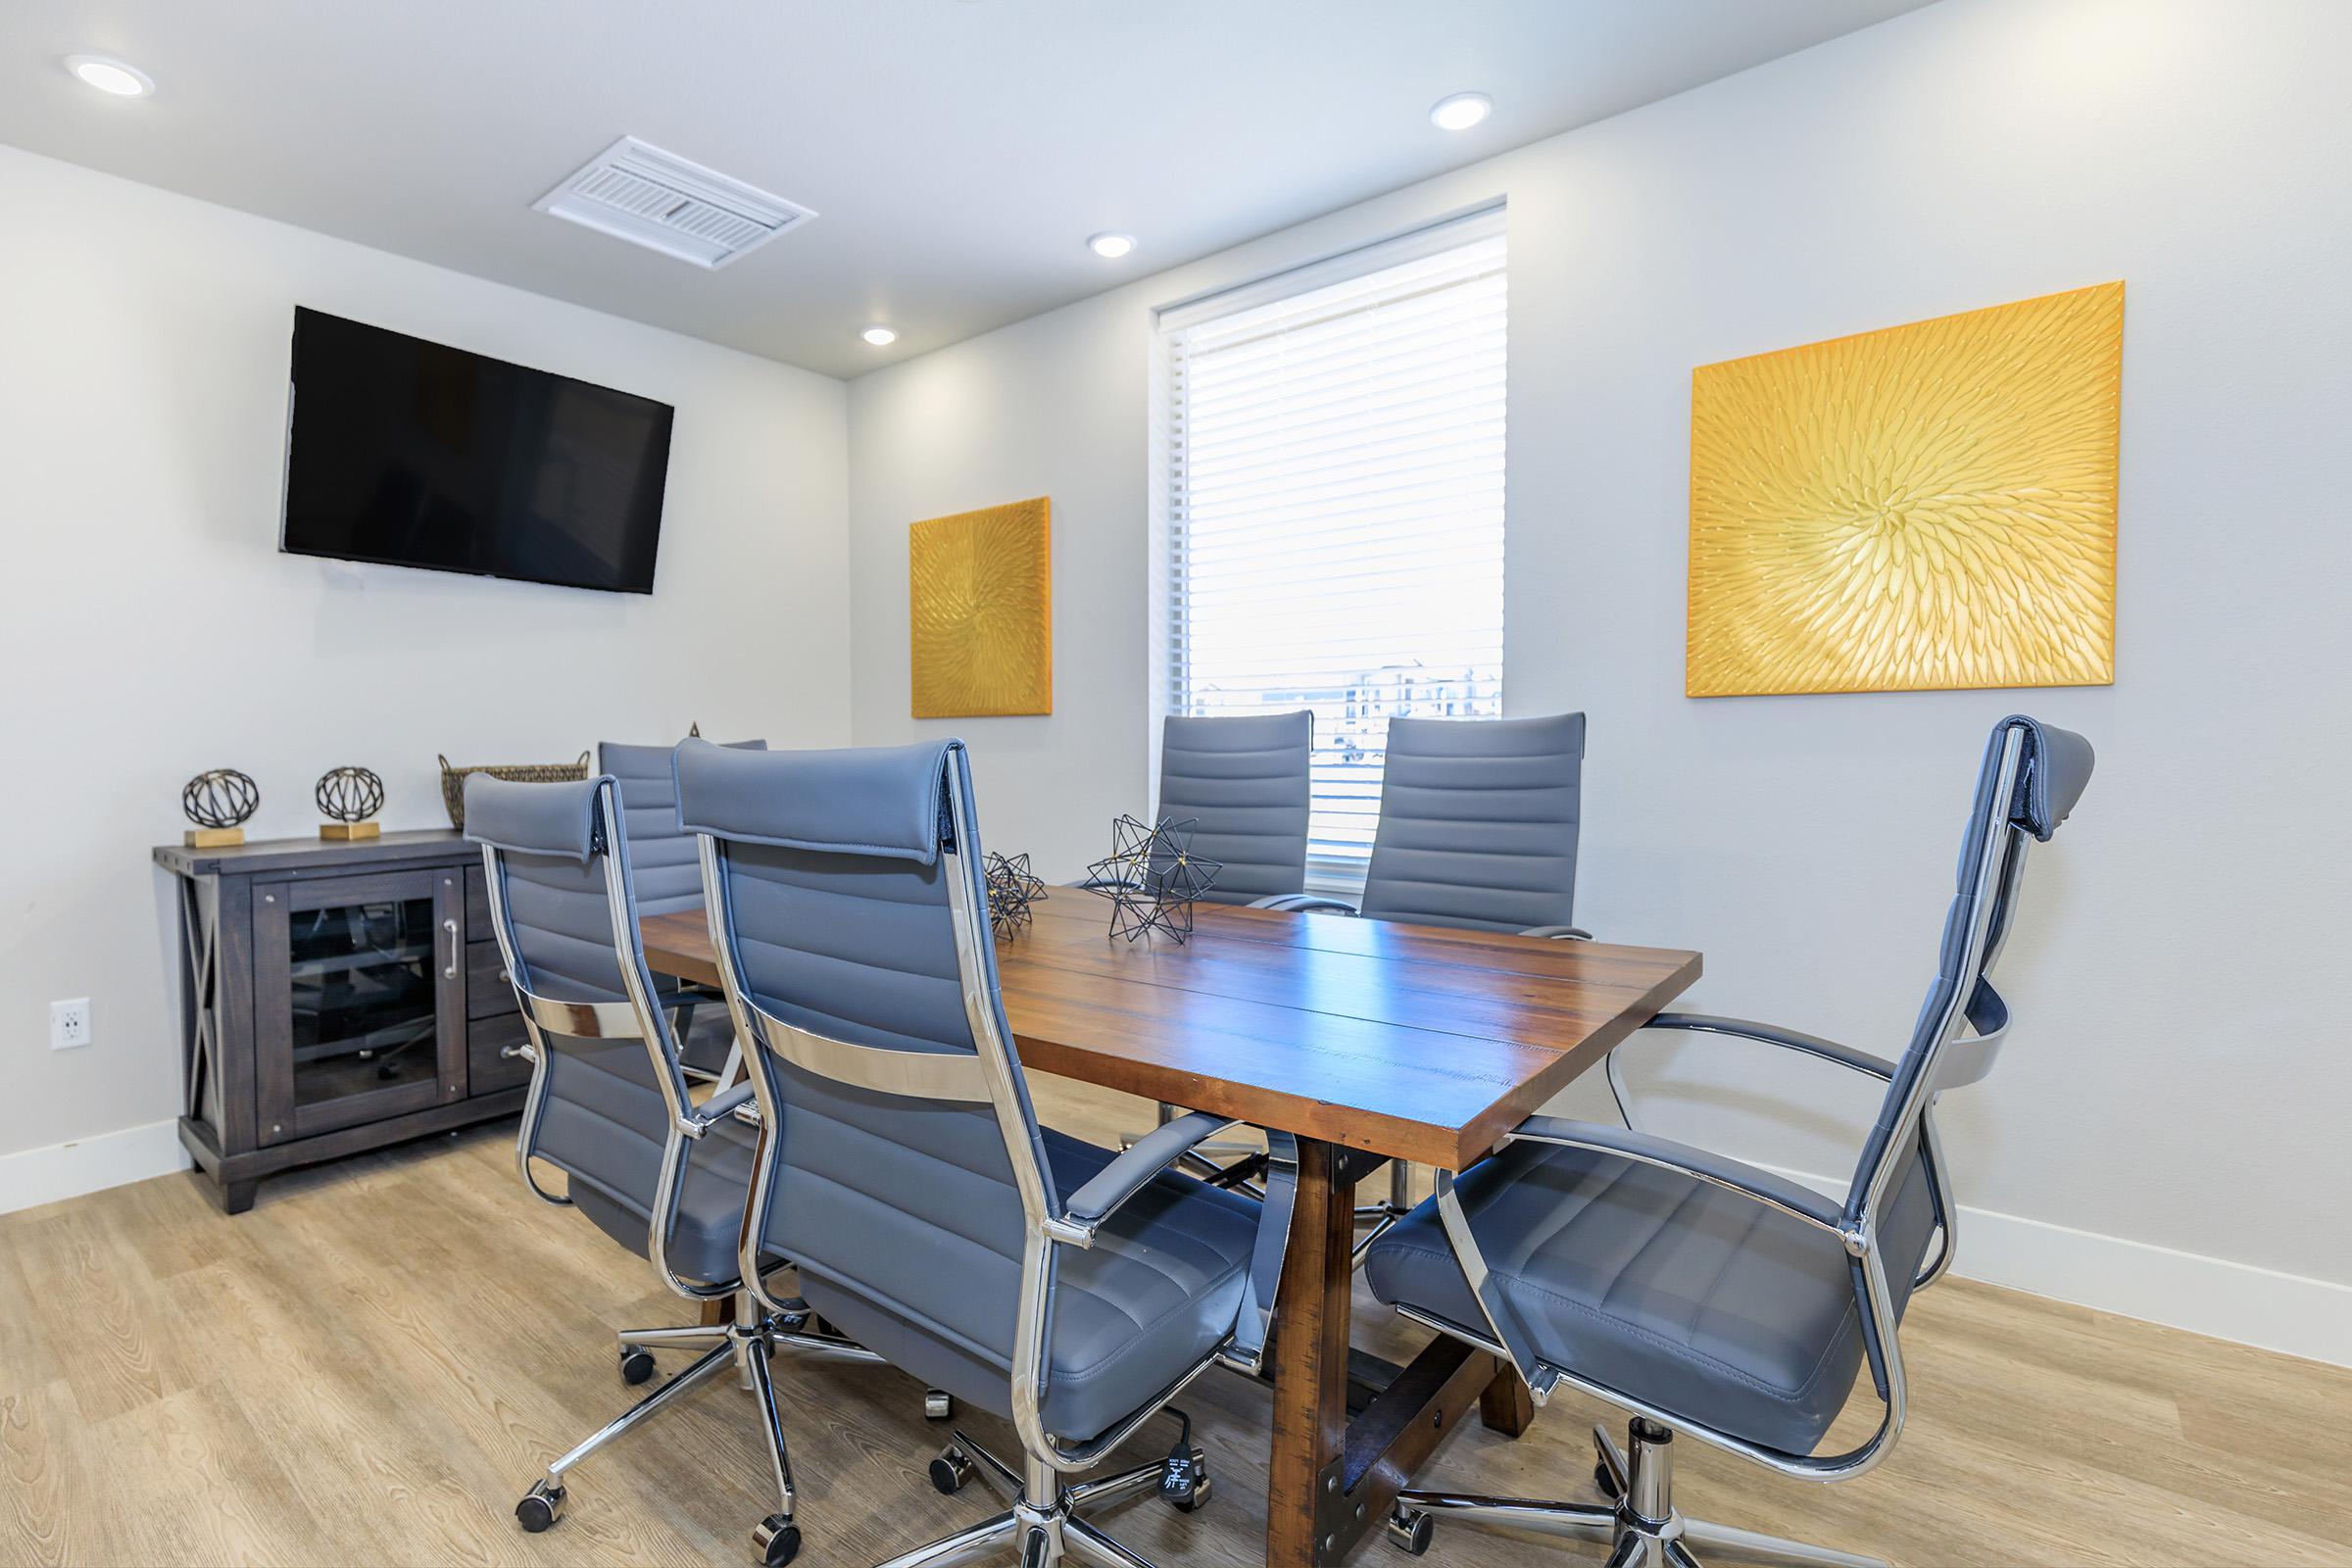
x=89, y=1165
x=2253, y=1305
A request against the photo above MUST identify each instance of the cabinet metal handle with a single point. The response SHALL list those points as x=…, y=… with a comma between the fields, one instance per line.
x=522, y=1049
x=455, y=956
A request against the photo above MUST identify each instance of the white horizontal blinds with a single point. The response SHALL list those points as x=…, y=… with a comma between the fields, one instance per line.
x=1335, y=507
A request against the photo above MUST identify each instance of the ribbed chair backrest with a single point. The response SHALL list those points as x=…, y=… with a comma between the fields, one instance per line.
x=1478, y=823
x=2031, y=777
x=669, y=878
x=851, y=923
x=1246, y=781
x=607, y=1088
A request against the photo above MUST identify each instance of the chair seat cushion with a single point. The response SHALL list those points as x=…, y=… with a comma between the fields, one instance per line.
x=1681, y=1294
x=1157, y=1292
x=604, y=1127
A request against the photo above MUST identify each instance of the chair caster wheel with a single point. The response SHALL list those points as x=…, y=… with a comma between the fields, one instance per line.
x=950, y=1471
x=636, y=1365
x=938, y=1406
x=777, y=1540
x=1409, y=1531
x=540, y=1507
x=1604, y=1474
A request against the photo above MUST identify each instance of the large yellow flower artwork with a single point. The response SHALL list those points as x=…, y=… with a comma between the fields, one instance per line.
x=1924, y=507
x=980, y=602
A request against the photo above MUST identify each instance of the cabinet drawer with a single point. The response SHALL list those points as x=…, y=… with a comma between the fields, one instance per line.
x=488, y=991
x=487, y=1068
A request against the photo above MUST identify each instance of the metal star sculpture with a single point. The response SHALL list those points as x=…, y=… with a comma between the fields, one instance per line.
x=1011, y=889
x=1151, y=877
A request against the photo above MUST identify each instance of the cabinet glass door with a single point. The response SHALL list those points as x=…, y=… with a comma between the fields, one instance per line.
x=361, y=979
x=363, y=996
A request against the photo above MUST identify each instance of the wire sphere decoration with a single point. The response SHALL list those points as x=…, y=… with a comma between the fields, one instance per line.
x=219, y=798
x=349, y=793
x=1151, y=877
x=1012, y=890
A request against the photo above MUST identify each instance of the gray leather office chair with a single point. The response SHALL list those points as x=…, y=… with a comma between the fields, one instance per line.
x=669, y=878
x=1477, y=827
x=609, y=1107
x=1709, y=1297
x=1243, y=782
x=1478, y=831
x=1073, y=1292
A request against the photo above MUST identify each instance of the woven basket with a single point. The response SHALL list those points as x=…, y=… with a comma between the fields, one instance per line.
x=453, y=780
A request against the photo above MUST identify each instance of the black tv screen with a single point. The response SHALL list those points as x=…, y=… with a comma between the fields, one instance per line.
x=417, y=454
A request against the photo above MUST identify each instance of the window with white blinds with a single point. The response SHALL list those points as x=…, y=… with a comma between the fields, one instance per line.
x=1334, y=469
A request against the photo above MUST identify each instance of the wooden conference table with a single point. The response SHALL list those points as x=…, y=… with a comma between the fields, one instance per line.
x=1410, y=1041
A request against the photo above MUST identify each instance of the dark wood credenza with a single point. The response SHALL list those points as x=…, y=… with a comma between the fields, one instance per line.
x=336, y=998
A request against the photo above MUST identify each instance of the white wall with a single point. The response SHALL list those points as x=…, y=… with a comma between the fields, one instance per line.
x=2179, y=1073
x=153, y=630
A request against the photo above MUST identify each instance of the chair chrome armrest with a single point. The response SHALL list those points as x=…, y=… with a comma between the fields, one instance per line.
x=1115, y=1183
x=717, y=1109
x=1793, y=1199
x=1303, y=904
x=1773, y=1035
x=1558, y=932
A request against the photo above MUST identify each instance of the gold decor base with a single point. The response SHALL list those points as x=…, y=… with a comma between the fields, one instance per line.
x=347, y=831
x=213, y=838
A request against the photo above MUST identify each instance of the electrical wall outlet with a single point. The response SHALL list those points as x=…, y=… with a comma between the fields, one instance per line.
x=68, y=1023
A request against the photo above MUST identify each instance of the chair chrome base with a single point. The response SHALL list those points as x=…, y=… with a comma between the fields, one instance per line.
x=745, y=1345
x=1041, y=1522
x=1639, y=1524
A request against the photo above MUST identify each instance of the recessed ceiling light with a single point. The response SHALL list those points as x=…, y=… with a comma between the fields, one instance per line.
x=880, y=337
x=1111, y=246
x=1461, y=111
x=111, y=75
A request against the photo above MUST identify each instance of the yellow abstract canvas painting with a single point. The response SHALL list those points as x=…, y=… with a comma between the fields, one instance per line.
x=1923, y=507
x=981, y=611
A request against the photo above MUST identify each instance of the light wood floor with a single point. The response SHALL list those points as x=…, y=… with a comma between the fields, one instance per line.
x=370, y=1365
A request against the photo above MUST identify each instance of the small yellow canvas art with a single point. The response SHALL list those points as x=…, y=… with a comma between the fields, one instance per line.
x=1924, y=507
x=980, y=597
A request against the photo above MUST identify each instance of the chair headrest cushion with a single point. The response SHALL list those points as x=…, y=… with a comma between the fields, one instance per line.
x=872, y=799
x=557, y=819
x=2057, y=766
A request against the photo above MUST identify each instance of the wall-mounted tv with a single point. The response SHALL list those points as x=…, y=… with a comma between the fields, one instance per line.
x=414, y=453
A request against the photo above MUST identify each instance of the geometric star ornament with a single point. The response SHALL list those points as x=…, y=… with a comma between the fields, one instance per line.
x=1150, y=876
x=1013, y=892
x=980, y=612
x=1924, y=507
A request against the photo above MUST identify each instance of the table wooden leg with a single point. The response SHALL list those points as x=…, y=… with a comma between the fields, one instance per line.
x=1506, y=1406
x=717, y=1310
x=1331, y=1481
x=1310, y=1360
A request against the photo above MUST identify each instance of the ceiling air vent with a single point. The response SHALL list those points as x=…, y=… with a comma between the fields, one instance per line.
x=660, y=201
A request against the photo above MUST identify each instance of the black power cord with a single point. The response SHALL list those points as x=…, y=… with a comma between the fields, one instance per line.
x=1183, y=1476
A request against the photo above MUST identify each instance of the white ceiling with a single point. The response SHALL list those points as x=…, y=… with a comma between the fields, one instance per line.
x=959, y=152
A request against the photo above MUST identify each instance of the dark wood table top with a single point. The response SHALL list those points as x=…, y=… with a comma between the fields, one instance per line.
x=1412, y=1042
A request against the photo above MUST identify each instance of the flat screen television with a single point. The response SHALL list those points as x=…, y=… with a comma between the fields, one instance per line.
x=414, y=453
